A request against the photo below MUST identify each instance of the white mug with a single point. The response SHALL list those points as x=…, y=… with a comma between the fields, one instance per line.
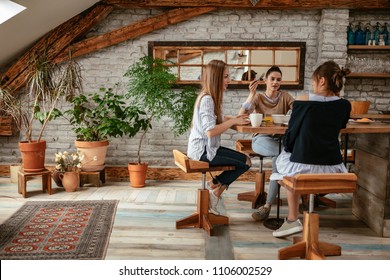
x=256, y=119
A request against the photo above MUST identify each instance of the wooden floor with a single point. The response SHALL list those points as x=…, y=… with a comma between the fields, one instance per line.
x=144, y=225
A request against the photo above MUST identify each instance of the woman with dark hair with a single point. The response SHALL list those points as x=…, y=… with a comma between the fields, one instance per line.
x=311, y=143
x=207, y=126
x=271, y=101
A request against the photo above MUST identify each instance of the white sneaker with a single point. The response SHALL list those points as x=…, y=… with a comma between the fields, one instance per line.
x=208, y=187
x=213, y=202
x=288, y=228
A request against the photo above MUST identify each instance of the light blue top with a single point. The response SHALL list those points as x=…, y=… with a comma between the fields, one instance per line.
x=203, y=120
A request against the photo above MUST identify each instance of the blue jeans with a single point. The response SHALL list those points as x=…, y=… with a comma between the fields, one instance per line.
x=268, y=146
x=226, y=156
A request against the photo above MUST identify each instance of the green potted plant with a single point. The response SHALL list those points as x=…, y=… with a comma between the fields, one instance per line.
x=46, y=84
x=151, y=87
x=97, y=117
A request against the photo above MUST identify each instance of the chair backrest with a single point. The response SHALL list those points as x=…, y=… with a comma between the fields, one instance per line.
x=188, y=165
x=245, y=146
x=321, y=183
x=194, y=166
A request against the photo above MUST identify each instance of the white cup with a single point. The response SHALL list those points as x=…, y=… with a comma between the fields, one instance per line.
x=256, y=119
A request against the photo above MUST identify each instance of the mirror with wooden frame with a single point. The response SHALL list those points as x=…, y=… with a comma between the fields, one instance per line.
x=247, y=60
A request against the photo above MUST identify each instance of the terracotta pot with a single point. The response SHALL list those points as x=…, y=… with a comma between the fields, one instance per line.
x=94, y=154
x=70, y=180
x=33, y=155
x=56, y=178
x=137, y=174
x=360, y=107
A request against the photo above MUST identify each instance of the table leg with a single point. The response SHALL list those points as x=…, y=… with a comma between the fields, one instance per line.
x=346, y=148
x=275, y=223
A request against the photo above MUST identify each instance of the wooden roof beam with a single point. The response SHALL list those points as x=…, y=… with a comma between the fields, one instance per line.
x=246, y=4
x=53, y=43
x=131, y=31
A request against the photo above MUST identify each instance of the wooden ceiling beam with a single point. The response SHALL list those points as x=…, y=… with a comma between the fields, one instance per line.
x=53, y=43
x=246, y=4
x=132, y=31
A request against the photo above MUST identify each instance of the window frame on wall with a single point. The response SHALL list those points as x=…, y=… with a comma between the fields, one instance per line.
x=238, y=55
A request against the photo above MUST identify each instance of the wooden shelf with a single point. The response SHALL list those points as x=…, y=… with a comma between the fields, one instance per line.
x=366, y=47
x=369, y=75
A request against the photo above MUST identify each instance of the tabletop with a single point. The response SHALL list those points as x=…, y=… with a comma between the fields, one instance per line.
x=373, y=127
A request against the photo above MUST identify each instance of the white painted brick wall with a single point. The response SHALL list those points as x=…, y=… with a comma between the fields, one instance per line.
x=323, y=31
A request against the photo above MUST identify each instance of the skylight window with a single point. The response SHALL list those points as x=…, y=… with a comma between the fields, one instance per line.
x=8, y=9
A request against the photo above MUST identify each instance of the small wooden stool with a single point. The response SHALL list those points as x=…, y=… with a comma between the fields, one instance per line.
x=308, y=245
x=96, y=178
x=202, y=218
x=258, y=196
x=22, y=181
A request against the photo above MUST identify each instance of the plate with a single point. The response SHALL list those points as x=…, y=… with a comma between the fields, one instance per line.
x=360, y=121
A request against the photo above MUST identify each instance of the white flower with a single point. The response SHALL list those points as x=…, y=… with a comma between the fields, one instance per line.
x=58, y=158
x=78, y=165
x=66, y=153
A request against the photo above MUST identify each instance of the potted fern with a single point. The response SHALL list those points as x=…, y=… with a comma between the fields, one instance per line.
x=151, y=87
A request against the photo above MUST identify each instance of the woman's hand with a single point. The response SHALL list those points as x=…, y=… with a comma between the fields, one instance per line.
x=241, y=119
x=253, y=86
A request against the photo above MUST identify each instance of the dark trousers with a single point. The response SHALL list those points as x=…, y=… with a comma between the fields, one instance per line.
x=226, y=156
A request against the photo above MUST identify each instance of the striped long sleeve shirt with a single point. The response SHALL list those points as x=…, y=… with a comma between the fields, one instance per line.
x=203, y=120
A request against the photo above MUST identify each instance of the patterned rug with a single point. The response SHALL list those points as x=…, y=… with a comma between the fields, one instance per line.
x=58, y=230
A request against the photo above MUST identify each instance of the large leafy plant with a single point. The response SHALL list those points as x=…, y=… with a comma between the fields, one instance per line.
x=103, y=115
x=151, y=87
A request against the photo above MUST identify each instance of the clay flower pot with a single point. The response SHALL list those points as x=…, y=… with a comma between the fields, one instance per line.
x=33, y=155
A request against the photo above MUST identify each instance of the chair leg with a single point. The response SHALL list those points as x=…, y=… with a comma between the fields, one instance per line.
x=202, y=218
x=308, y=246
x=258, y=196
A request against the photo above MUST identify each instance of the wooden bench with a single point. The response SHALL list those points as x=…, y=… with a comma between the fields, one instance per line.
x=258, y=196
x=308, y=245
x=201, y=218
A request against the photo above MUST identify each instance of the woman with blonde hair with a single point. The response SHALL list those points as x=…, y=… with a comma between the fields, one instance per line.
x=207, y=126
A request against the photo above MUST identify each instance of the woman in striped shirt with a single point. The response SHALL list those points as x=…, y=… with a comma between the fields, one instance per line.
x=208, y=125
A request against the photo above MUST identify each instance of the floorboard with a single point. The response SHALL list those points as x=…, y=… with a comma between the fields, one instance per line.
x=144, y=227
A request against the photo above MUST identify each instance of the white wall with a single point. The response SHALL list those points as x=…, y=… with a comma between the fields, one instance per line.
x=324, y=32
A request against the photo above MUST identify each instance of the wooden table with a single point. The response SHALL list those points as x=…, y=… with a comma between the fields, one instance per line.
x=379, y=164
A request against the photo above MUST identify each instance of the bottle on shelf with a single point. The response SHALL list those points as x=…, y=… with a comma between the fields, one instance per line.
x=385, y=34
x=360, y=35
x=368, y=34
x=350, y=35
x=377, y=33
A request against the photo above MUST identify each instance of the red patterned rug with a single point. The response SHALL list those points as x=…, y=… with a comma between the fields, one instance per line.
x=58, y=230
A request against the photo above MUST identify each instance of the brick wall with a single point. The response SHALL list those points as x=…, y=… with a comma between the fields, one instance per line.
x=324, y=32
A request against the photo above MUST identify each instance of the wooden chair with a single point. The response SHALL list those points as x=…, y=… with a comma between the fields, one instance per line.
x=258, y=196
x=201, y=218
x=308, y=245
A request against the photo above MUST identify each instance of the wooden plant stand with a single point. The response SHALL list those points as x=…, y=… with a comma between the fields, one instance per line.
x=22, y=181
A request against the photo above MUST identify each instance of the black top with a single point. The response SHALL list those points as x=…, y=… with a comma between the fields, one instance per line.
x=313, y=131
